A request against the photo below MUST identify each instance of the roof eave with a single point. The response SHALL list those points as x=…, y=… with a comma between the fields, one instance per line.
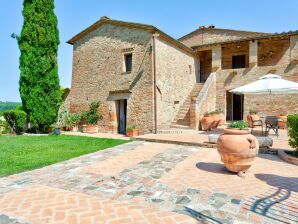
x=100, y=22
x=280, y=35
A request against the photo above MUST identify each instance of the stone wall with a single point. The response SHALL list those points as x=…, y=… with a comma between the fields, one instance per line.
x=98, y=75
x=176, y=75
x=207, y=36
x=265, y=104
x=230, y=50
x=273, y=52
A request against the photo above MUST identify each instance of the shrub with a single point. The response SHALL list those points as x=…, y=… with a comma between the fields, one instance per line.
x=16, y=120
x=72, y=120
x=214, y=112
x=92, y=116
x=62, y=117
x=293, y=130
x=238, y=124
x=3, y=126
x=131, y=127
x=252, y=111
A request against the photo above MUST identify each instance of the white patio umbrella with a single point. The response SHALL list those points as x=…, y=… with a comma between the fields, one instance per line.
x=270, y=84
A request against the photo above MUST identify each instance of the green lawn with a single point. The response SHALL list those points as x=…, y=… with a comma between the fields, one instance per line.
x=21, y=153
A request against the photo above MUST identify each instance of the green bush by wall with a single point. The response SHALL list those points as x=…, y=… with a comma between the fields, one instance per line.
x=293, y=130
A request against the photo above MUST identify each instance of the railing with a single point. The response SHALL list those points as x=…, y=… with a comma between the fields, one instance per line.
x=204, y=102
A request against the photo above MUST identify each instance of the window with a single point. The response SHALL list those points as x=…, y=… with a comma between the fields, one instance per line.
x=238, y=61
x=128, y=62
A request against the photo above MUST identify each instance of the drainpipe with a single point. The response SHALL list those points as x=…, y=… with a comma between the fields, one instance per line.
x=154, y=36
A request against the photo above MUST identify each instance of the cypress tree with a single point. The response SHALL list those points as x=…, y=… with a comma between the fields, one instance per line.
x=39, y=82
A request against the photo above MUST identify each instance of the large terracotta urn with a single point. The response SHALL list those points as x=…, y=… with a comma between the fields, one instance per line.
x=207, y=122
x=216, y=120
x=237, y=149
x=90, y=128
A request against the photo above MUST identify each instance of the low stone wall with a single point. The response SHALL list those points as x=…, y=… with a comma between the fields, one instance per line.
x=205, y=102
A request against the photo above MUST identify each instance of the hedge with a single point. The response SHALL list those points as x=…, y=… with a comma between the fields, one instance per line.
x=16, y=120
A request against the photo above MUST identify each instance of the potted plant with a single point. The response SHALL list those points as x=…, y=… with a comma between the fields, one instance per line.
x=56, y=129
x=91, y=118
x=212, y=119
x=68, y=122
x=218, y=117
x=249, y=117
x=132, y=131
x=237, y=147
x=283, y=123
x=75, y=118
x=61, y=121
x=207, y=122
x=72, y=121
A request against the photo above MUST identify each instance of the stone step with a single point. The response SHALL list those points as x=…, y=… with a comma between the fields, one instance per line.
x=182, y=117
x=183, y=122
x=180, y=126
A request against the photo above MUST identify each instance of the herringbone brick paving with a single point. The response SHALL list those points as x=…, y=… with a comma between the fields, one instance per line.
x=41, y=204
x=174, y=184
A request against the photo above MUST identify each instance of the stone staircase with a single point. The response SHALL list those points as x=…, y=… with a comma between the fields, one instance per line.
x=182, y=119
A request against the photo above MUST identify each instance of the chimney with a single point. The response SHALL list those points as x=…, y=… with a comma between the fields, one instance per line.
x=104, y=17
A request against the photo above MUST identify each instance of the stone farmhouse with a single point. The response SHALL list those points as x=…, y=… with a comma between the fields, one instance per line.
x=146, y=78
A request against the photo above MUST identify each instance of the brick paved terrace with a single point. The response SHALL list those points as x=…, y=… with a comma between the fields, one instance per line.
x=193, y=137
x=142, y=182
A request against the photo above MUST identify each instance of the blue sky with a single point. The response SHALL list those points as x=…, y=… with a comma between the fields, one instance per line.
x=173, y=17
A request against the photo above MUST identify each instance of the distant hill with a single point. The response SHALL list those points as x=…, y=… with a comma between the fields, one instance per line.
x=8, y=105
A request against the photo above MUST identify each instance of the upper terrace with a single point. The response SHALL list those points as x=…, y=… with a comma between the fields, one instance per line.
x=247, y=52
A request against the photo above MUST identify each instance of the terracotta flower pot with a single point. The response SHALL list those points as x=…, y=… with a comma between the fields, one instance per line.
x=207, y=122
x=249, y=121
x=216, y=120
x=282, y=124
x=75, y=128
x=132, y=133
x=237, y=149
x=90, y=128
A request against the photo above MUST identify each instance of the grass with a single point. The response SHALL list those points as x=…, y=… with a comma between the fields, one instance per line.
x=22, y=153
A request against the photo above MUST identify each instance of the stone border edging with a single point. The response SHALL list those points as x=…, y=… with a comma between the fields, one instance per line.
x=286, y=157
x=207, y=145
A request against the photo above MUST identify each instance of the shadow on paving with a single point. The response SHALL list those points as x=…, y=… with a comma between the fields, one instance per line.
x=200, y=216
x=213, y=168
x=281, y=204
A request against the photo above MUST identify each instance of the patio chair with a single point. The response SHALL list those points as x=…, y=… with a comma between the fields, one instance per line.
x=256, y=122
x=272, y=123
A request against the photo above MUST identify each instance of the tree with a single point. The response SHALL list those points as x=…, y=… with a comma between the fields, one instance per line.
x=39, y=81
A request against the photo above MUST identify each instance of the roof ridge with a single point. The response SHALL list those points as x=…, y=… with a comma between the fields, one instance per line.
x=106, y=20
x=233, y=30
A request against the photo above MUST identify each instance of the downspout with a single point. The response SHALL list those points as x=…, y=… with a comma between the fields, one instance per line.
x=154, y=36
